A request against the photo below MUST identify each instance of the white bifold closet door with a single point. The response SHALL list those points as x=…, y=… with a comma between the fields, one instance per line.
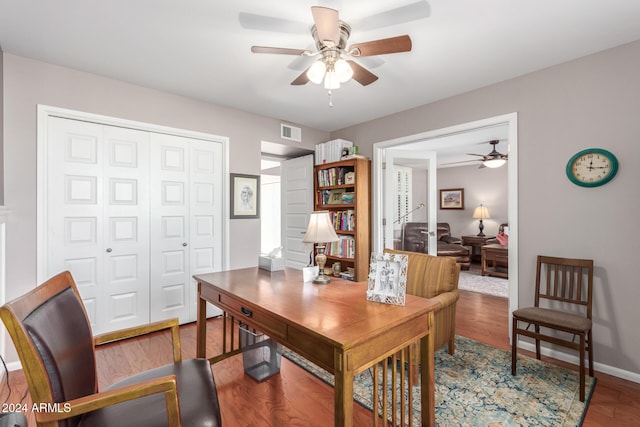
x=133, y=215
x=185, y=224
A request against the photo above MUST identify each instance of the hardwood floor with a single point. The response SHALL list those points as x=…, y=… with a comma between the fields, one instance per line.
x=296, y=398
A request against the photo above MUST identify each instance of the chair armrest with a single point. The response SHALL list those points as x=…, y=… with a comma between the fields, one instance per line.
x=143, y=330
x=445, y=299
x=451, y=239
x=82, y=405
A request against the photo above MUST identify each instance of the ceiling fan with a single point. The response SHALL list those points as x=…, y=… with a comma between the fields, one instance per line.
x=330, y=35
x=494, y=159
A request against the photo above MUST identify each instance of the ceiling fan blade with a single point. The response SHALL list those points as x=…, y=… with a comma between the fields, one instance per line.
x=267, y=23
x=400, y=15
x=382, y=46
x=464, y=161
x=279, y=50
x=361, y=74
x=302, y=79
x=471, y=154
x=326, y=21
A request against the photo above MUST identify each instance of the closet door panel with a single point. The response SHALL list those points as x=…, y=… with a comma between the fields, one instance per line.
x=74, y=218
x=170, y=228
x=205, y=177
x=126, y=227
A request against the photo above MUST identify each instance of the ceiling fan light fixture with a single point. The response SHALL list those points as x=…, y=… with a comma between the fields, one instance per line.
x=317, y=71
x=494, y=163
x=331, y=80
x=343, y=70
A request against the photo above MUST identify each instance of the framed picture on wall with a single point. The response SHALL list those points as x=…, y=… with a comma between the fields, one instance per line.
x=245, y=196
x=452, y=198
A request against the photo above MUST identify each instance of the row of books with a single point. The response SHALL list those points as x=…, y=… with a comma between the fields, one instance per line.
x=334, y=197
x=335, y=176
x=343, y=248
x=343, y=220
x=331, y=151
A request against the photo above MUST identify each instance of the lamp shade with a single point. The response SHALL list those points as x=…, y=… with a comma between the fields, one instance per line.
x=481, y=212
x=494, y=163
x=320, y=229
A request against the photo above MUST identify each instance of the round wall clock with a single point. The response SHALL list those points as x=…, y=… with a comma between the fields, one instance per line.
x=592, y=167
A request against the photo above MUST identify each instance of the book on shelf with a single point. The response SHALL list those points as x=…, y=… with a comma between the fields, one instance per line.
x=331, y=151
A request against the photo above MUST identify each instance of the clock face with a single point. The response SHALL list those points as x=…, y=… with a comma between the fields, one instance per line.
x=592, y=167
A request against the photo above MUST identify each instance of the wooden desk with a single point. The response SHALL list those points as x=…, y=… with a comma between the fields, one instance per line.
x=331, y=325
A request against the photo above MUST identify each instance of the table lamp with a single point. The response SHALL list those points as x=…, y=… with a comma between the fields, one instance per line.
x=321, y=232
x=481, y=212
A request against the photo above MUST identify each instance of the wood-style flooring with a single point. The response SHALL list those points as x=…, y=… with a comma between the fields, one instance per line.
x=296, y=398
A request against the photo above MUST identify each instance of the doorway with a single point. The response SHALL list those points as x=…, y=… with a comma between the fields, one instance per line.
x=438, y=140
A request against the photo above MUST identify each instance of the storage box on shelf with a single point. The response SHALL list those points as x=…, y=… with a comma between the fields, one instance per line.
x=343, y=188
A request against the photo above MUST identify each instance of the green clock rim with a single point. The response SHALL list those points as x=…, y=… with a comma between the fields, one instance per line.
x=614, y=167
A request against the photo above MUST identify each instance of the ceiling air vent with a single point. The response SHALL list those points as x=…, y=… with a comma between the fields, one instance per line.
x=291, y=133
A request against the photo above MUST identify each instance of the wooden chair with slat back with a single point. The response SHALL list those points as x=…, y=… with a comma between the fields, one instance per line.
x=52, y=335
x=565, y=287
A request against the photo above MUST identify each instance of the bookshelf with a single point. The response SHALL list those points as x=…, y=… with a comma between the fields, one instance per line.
x=343, y=188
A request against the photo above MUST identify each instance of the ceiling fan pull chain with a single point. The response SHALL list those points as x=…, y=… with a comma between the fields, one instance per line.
x=330, y=99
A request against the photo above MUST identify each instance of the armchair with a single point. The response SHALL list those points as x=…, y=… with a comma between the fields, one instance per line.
x=415, y=239
x=434, y=277
x=52, y=335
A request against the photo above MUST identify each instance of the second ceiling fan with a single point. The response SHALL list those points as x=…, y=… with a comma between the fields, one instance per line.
x=330, y=35
x=494, y=159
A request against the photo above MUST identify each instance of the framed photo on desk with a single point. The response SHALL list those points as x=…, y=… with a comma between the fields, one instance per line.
x=388, y=278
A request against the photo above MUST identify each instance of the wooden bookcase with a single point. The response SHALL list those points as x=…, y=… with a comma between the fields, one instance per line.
x=349, y=207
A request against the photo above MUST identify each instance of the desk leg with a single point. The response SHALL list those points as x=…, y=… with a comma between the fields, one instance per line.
x=201, y=327
x=427, y=377
x=343, y=391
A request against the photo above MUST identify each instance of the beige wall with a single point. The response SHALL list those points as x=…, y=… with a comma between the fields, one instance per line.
x=1, y=129
x=590, y=102
x=486, y=186
x=28, y=83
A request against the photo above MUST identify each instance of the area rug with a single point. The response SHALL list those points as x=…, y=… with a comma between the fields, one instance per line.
x=473, y=281
x=475, y=388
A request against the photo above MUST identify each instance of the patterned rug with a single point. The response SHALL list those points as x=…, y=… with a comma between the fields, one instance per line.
x=475, y=388
x=472, y=280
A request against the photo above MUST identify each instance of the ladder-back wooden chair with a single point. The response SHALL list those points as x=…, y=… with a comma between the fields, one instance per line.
x=563, y=302
x=52, y=335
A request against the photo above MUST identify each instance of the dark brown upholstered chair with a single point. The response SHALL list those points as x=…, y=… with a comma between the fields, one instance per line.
x=415, y=239
x=52, y=335
x=565, y=287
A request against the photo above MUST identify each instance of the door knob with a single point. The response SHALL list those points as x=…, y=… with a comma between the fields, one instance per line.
x=184, y=244
x=109, y=249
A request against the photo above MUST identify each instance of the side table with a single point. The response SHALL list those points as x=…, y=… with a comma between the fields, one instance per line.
x=476, y=242
x=495, y=261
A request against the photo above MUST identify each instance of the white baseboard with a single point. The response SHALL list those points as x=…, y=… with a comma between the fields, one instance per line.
x=600, y=367
x=14, y=366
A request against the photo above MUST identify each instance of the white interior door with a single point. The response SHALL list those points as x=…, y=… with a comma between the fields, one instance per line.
x=133, y=214
x=170, y=226
x=414, y=159
x=206, y=208
x=297, y=203
x=98, y=218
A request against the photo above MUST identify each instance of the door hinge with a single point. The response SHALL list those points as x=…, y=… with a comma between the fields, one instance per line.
x=384, y=221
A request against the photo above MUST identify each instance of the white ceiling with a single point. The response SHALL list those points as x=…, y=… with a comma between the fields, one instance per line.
x=200, y=49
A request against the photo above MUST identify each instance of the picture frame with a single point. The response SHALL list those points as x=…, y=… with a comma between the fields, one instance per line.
x=388, y=278
x=452, y=198
x=245, y=196
x=335, y=196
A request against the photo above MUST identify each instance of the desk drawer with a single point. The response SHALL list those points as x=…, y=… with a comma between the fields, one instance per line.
x=254, y=317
